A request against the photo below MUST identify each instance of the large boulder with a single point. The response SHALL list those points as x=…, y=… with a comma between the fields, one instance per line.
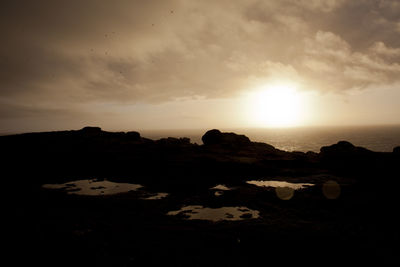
x=91, y=130
x=216, y=137
x=344, y=149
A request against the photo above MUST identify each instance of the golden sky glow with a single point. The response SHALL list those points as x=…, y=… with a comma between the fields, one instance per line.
x=276, y=105
x=198, y=64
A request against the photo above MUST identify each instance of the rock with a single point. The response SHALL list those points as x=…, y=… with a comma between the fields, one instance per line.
x=311, y=154
x=246, y=216
x=396, y=150
x=172, y=141
x=133, y=135
x=216, y=137
x=344, y=149
x=212, y=137
x=264, y=148
x=90, y=129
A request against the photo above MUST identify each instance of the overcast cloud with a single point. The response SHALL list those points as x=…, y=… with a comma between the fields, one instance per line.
x=57, y=55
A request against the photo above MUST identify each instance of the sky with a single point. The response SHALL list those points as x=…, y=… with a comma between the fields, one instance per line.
x=131, y=65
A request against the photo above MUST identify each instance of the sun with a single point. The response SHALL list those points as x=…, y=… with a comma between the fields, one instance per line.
x=275, y=105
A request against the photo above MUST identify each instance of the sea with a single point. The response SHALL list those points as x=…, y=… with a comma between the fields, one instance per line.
x=375, y=138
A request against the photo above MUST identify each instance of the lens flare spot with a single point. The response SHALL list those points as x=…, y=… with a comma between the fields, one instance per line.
x=284, y=193
x=331, y=189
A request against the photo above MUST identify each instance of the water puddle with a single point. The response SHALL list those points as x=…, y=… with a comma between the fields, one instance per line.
x=156, y=196
x=198, y=212
x=276, y=184
x=220, y=187
x=94, y=187
x=283, y=190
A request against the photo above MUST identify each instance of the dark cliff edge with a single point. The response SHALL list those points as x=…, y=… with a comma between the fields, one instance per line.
x=93, y=151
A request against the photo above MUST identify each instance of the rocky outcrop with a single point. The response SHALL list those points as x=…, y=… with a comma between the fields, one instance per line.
x=216, y=137
x=133, y=135
x=91, y=130
x=344, y=149
x=88, y=149
x=171, y=141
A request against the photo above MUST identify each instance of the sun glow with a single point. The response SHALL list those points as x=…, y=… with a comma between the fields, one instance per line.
x=275, y=105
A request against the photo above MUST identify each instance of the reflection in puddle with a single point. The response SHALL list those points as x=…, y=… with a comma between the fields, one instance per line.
x=276, y=184
x=94, y=187
x=220, y=187
x=198, y=212
x=218, y=193
x=156, y=196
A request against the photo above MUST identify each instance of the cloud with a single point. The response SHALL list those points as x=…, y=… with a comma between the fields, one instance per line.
x=330, y=57
x=16, y=111
x=382, y=50
x=321, y=5
x=58, y=53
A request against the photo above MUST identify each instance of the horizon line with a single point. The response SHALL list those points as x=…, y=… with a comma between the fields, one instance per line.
x=3, y=133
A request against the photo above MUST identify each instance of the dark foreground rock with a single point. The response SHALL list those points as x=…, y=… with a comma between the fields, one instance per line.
x=357, y=226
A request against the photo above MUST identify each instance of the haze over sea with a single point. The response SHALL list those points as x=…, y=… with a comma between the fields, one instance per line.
x=376, y=138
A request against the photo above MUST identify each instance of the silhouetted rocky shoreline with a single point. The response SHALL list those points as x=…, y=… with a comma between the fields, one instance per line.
x=358, y=225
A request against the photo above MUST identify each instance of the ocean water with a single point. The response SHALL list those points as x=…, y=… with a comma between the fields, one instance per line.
x=376, y=138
